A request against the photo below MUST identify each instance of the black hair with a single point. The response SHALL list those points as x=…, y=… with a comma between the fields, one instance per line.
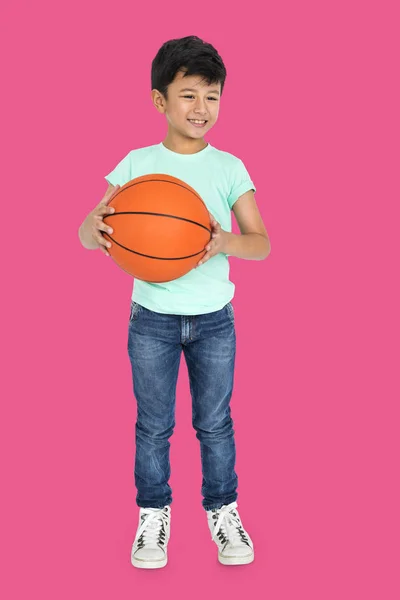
x=190, y=55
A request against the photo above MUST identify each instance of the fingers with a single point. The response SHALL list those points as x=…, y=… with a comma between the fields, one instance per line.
x=216, y=227
x=217, y=230
x=208, y=254
x=203, y=259
x=105, y=210
x=103, y=250
x=99, y=224
x=114, y=191
x=98, y=227
x=110, y=193
x=102, y=242
x=213, y=219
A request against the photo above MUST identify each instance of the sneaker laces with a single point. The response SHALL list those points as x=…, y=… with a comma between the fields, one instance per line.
x=228, y=525
x=153, y=528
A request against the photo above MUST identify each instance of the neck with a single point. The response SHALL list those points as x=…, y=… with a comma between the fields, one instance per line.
x=184, y=145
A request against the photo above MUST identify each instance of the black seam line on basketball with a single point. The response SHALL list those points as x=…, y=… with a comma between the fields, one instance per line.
x=155, y=257
x=158, y=215
x=192, y=191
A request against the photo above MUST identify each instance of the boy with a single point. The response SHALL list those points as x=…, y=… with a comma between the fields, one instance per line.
x=192, y=313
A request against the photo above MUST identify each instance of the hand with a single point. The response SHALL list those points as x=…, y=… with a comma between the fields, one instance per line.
x=217, y=243
x=95, y=222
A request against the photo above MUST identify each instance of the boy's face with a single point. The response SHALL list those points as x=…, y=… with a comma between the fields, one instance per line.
x=202, y=104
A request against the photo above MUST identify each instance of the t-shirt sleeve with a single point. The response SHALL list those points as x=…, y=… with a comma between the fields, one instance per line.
x=121, y=174
x=241, y=183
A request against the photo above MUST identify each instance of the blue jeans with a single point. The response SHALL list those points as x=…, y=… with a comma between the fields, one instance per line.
x=155, y=343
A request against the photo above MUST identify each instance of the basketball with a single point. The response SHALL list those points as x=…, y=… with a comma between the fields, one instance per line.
x=160, y=228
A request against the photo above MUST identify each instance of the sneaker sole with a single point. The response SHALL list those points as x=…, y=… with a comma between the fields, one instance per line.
x=149, y=564
x=236, y=560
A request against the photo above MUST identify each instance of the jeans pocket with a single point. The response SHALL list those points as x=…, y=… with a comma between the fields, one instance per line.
x=135, y=310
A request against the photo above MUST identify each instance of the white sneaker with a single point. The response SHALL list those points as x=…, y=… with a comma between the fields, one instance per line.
x=149, y=550
x=234, y=543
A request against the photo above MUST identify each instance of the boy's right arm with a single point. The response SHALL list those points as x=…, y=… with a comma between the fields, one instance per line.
x=90, y=231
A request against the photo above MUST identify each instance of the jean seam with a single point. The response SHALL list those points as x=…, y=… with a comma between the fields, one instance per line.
x=134, y=312
x=231, y=312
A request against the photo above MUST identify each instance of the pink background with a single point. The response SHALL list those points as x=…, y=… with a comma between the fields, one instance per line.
x=311, y=106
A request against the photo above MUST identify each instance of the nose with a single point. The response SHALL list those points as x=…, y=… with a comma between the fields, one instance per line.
x=200, y=108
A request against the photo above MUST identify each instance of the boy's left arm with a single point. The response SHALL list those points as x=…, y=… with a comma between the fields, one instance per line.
x=252, y=242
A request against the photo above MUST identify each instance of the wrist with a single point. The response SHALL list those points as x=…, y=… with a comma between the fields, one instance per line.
x=229, y=242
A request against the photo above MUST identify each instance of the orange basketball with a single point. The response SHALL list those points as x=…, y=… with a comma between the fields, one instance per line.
x=160, y=228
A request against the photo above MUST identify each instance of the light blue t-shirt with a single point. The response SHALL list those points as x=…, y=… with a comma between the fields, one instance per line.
x=219, y=178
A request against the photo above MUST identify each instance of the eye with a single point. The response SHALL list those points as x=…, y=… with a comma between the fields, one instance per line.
x=208, y=97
